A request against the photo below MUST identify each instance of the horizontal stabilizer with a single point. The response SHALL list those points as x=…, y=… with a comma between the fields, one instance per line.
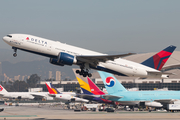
x=111, y=97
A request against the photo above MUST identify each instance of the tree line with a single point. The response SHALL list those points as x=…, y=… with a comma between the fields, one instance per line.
x=23, y=86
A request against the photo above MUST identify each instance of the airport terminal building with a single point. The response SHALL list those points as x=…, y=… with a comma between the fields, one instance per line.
x=171, y=66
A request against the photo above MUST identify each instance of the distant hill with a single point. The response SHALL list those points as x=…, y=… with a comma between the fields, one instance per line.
x=40, y=67
x=27, y=64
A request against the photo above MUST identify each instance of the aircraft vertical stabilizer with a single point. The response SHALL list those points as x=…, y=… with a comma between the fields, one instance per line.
x=94, y=89
x=84, y=86
x=158, y=60
x=2, y=89
x=51, y=88
x=111, y=83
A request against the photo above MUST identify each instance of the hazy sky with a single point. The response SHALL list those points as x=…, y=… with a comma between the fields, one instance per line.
x=100, y=25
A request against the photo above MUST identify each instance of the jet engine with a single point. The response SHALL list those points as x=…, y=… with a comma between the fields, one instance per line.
x=63, y=59
x=55, y=62
x=153, y=104
x=150, y=104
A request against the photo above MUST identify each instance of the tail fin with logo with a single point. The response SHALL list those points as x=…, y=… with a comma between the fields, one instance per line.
x=84, y=86
x=111, y=83
x=51, y=88
x=158, y=60
x=94, y=88
x=2, y=89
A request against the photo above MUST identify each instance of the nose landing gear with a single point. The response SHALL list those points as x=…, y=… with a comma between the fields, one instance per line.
x=15, y=51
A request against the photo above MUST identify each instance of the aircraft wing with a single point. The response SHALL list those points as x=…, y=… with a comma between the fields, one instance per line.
x=108, y=97
x=166, y=101
x=111, y=97
x=94, y=60
x=87, y=96
x=38, y=95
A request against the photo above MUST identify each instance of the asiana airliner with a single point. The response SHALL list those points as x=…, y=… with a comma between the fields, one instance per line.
x=63, y=54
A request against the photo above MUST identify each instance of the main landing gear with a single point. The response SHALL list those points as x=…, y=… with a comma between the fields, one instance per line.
x=15, y=51
x=83, y=73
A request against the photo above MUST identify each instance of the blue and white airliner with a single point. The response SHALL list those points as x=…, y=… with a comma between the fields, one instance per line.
x=118, y=92
x=63, y=54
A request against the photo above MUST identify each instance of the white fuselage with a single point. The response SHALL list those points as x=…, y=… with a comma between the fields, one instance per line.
x=51, y=49
x=31, y=95
x=17, y=95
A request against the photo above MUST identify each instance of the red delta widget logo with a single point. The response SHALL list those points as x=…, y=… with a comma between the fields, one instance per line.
x=1, y=88
x=110, y=81
x=36, y=40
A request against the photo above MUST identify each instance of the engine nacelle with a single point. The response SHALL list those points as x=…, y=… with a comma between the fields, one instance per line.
x=153, y=104
x=63, y=59
x=55, y=62
x=66, y=59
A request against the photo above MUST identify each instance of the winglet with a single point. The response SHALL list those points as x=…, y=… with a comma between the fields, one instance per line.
x=51, y=88
x=158, y=60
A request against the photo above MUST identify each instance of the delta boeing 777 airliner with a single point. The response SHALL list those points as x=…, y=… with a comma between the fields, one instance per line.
x=63, y=54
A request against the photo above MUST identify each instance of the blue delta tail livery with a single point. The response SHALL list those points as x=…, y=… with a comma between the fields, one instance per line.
x=158, y=60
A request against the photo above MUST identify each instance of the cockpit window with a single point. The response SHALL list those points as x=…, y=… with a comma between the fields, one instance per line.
x=9, y=36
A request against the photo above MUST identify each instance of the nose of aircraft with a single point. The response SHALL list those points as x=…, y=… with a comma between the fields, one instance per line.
x=7, y=38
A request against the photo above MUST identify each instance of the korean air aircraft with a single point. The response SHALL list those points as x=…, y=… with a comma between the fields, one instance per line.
x=148, y=98
x=53, y=92
x=63, y=54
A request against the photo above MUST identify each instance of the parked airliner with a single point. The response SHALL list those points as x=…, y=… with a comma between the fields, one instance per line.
x=149, y=98
x=63, y=54
x=24, y=95
x=53, y=92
